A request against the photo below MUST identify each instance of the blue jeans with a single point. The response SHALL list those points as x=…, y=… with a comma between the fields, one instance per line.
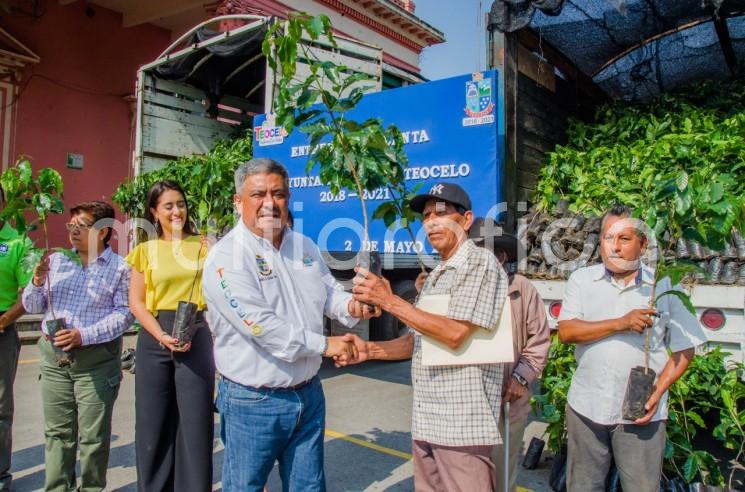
x=261, y=426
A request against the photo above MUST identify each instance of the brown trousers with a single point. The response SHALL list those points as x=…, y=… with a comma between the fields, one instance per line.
x=452, y=468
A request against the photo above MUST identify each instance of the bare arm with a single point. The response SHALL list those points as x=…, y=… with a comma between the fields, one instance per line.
x=11, y=315
x=445, y=330
x=400, y=348
x=580, y=331
x=675, y=367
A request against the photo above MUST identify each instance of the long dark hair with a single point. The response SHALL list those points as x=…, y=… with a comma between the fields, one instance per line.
x=153, y=196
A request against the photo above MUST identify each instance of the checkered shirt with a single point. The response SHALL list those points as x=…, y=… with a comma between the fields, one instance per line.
x=460, y=405
x=95, y=299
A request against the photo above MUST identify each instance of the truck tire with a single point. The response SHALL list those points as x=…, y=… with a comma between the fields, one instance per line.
x=388, y=327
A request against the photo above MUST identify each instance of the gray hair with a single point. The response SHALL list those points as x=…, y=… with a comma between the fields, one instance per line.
x=261, y=165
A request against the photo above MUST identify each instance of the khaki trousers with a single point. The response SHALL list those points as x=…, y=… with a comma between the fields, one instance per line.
x=452, y=468
x=78, y=402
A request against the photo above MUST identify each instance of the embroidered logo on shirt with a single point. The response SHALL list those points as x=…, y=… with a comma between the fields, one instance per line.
x=263, y=266
x=307, y=260
x=4, y=249
x=233, y=303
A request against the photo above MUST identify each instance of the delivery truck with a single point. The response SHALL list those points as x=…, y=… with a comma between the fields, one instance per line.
x=488, y=131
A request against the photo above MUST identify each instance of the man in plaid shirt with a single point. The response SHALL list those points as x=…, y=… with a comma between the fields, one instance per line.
x=456, y=408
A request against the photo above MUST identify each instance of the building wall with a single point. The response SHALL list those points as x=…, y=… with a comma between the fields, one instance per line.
x=394, y=52
x=75, y=100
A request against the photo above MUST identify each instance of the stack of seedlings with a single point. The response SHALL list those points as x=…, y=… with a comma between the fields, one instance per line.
x=557, y=243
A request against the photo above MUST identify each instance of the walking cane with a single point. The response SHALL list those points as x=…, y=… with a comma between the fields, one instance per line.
x=506, y=446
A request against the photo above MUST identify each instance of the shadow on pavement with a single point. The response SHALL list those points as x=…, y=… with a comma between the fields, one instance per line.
x=389, y=371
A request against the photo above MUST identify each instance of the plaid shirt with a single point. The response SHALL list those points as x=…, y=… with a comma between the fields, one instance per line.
x=460, y=405
x=95, y=299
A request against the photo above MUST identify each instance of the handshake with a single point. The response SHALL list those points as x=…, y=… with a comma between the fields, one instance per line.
x=370, y=293
x=347, y=350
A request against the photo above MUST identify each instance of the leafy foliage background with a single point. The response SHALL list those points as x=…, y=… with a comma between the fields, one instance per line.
x=680, y=161
x=206, y=179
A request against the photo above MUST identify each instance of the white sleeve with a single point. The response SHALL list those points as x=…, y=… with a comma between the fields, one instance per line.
x=237, y=297
x=683, y=327
x=571, y=306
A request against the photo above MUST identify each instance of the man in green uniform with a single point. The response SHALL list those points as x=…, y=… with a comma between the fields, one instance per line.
x=13, y=248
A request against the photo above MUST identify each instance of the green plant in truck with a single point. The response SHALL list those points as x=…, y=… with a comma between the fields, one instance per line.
x=679, y=161
x=207, y=181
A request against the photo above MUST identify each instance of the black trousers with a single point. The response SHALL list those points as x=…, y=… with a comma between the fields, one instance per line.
x=9, y=347
x=174, y=427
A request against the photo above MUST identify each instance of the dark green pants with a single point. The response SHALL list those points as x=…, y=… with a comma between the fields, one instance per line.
x=78, y=402
x=9, y=347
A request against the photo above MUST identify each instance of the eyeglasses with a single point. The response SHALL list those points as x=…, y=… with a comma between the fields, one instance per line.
x=71, y=226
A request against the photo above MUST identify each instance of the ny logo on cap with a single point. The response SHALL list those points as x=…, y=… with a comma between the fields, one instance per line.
x=437, y=189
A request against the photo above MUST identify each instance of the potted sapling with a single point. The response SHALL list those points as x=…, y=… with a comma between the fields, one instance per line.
x=39, y=197
x=353, y=157
x=702, y=207
x=211, y=219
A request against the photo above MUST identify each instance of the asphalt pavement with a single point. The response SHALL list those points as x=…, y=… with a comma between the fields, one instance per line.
x=367, y=447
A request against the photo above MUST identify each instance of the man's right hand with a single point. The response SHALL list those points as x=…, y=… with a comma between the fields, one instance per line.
x=41, y=271
x=339, y=348
x=637, y=320
x=361, y=351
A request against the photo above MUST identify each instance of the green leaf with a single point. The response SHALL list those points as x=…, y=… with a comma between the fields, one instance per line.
x=315, y=27
x=690, y=468
x=50, y=181
x=32, y=258
x=683, y=202
x=69, y=254
x=681, y=181
x=684, y=298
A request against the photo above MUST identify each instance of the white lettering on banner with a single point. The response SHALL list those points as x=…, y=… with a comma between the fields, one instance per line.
x=480, y=120
x=402, y=247
x=443, y=171
x=305, y=182
x=412, y=173
x=303, y=150
x=415, y=136
x=409, y=137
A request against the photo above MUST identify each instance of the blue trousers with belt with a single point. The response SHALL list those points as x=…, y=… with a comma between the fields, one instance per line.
x=261, y=425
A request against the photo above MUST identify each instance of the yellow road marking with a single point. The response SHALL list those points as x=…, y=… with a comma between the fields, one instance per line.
x=28, y=361
x=369, y=445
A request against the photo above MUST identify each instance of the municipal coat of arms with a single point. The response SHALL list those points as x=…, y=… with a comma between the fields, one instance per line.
x=479, y=100
x=263, y=266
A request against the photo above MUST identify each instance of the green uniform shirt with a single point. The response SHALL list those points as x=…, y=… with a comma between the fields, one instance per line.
x=13, y=248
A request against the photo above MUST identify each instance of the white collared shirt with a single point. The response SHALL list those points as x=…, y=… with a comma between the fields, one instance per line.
x=599, y=383
x=265, y=307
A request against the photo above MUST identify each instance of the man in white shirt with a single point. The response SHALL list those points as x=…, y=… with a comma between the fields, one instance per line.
x=606, y=313
x=267, y=290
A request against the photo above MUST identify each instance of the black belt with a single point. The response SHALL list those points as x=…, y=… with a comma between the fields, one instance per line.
x=271, y=388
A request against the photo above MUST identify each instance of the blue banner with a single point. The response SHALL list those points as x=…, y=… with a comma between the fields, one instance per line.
x=453, y=132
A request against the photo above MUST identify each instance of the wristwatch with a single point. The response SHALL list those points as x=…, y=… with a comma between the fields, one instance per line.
x=520, y=379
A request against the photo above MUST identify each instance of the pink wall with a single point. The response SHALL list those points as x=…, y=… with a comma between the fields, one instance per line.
x=74, y=100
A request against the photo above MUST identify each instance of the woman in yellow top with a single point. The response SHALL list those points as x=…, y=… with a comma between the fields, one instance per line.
x=174, y=382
